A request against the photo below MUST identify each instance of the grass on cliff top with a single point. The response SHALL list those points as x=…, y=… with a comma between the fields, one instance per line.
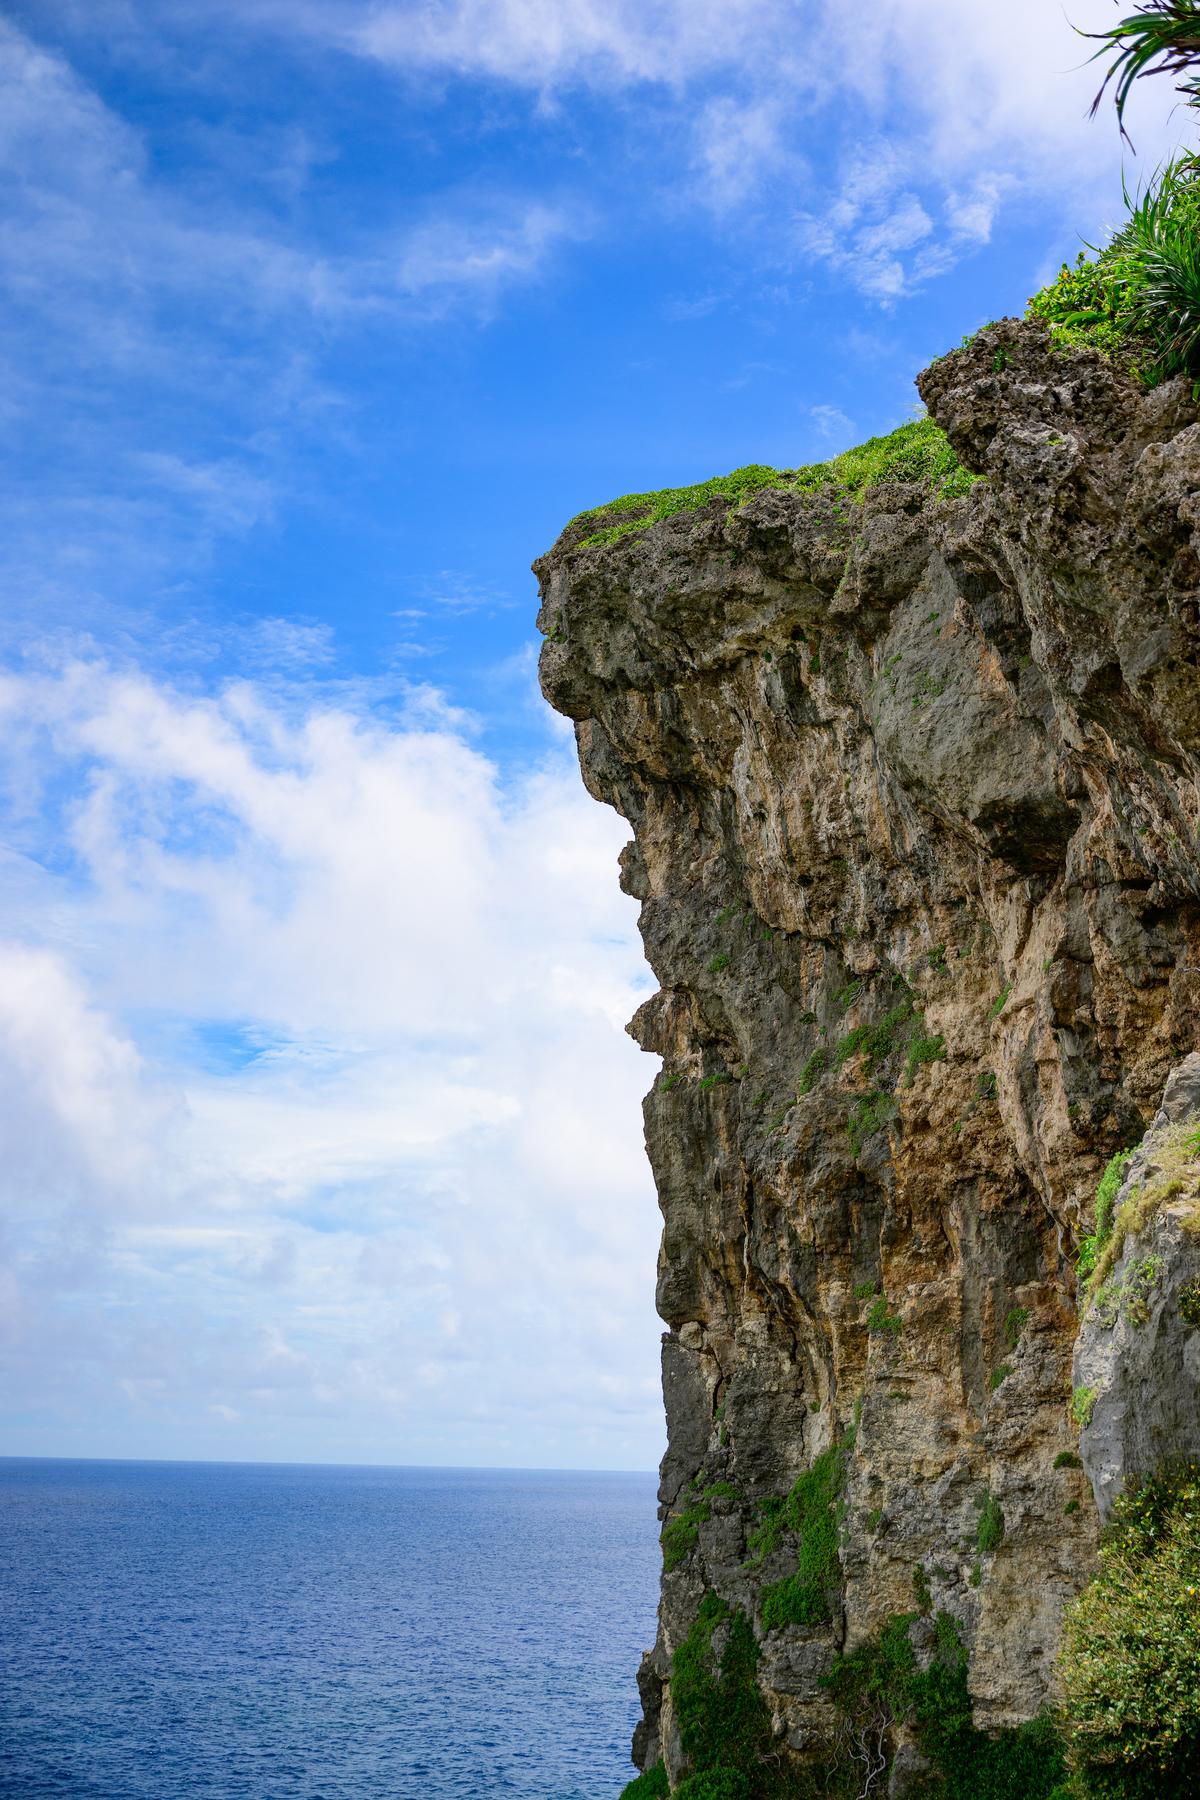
x=1137, y=299
x=918, y=451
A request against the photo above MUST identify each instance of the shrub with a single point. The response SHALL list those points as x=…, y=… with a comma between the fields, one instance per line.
x=989, y=1533
x=1137, y=300
x=715, y=1784
x=1000, y=1375
x=1067, y=1459
x=723, y=1722
x=812, y=1072
x=680, y=1535
x=923, y=1049
x=1130, y=1660
x=651, y=1784
x=1083, y=1405
x=878, y=1687
x=1189, y=1303
x=880, y=1319
x=811, y=1512
x=871, y=1114
x=717, y=963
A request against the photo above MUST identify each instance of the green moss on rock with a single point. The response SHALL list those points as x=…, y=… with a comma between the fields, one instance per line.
x=917, y=452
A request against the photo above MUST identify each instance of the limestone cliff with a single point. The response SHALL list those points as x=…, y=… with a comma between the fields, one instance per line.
x=913, y=788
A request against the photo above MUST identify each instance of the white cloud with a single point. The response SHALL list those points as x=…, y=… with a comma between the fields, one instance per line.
x=832, y=424
x=966, y=109
x=548, y=43
x=737, y=143
x=402, y=1157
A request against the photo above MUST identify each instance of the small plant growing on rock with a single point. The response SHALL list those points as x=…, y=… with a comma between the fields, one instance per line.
x=1000, y=1375
x=717, y=963
x=989, y=1533
x=879, y=1319
x=680, y=1535
x=1083, y=1405
x=1015, y=1321
x=812, y=1072
x=923, y=1049
x=871, y=1114
x=1000, y=1002
x=1067, y=1459
x=1189, y=1303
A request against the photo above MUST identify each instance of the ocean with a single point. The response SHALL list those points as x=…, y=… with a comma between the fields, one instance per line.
x=284, y=1632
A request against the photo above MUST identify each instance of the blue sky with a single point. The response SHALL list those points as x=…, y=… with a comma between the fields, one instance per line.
x=321, y=1137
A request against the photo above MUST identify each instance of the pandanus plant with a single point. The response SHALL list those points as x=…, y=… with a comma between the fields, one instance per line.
x=1160, y=37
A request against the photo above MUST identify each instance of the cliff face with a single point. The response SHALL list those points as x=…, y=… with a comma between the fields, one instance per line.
x=913, y=788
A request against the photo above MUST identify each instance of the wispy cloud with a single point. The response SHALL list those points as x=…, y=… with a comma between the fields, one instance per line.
x=314, y=1027
x=165, y=341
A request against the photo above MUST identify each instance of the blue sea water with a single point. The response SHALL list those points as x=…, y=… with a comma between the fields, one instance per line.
x=302, y=1633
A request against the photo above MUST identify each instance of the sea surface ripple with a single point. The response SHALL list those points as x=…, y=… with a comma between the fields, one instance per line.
x=199, y=1631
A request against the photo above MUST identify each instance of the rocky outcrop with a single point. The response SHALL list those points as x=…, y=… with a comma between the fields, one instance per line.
x=1137, y=1359
x=913, y=792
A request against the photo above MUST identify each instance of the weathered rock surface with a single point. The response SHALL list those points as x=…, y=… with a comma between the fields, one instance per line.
x=1137, y=1359
x=913, y=788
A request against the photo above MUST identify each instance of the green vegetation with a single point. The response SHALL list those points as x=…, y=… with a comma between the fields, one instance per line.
x=1083, y=1405
x=717, y=963
x=650, y=1785
x=680, y=1535
x=989, y=1532
x=1000, y=1376
x=1177, y=1156
x=1015, y=1321
x=880, y=1319
x=722, y=1719
x=1000, y=1002
x=870, y=1115
x=811, y=1513
x=1067, y=1459
x=812, y=1072
x=1160, y=37
x=875, y=1043
x=864, y=1290
x=1189, y=1303
x=1137, y=300
x=878, y=1687
x=1106, y=1194
x=712, y=1081
x=916, y=452
x=921, y=1591
x=923, y=1049
x=1130, y=1661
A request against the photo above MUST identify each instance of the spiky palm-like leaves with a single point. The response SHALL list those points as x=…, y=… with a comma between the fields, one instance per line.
x=1162, y=241
x=1160, y=37
x=1139, y=299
